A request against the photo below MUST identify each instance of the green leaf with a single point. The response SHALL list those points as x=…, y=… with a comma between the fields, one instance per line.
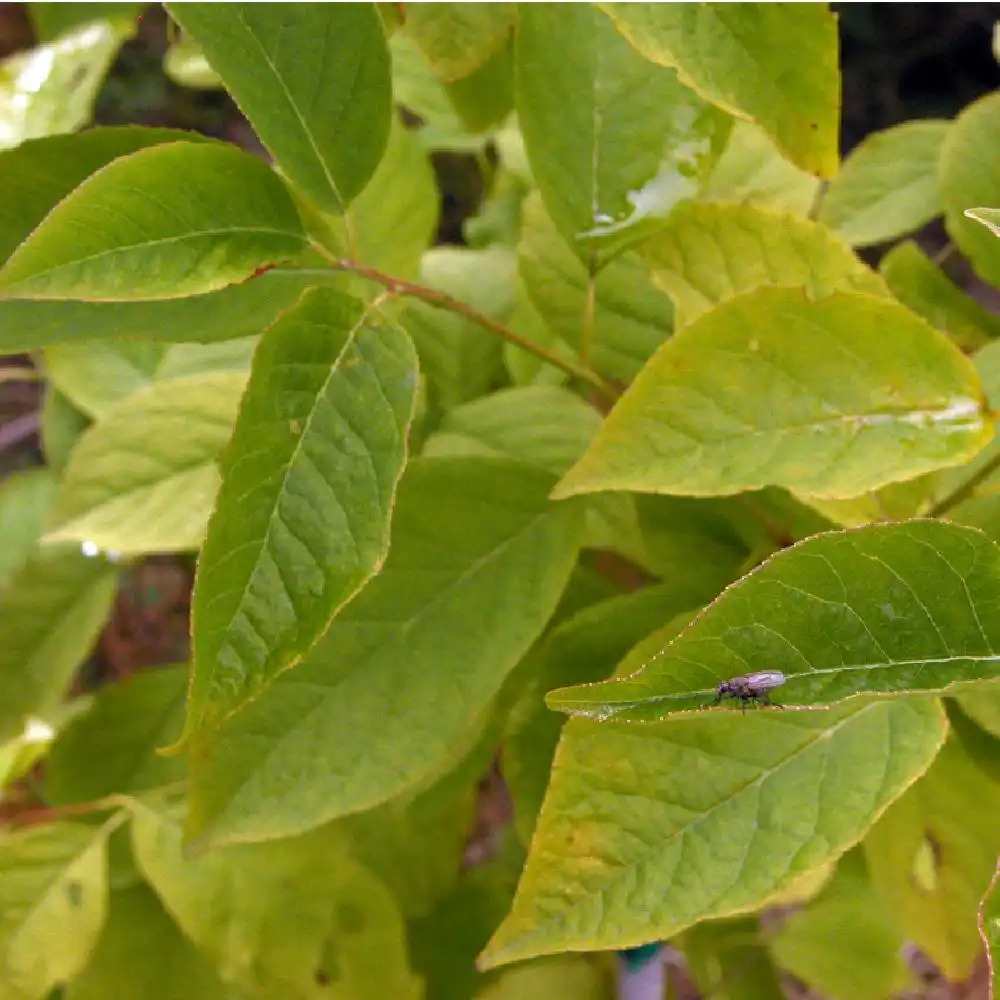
x=710, y=253
x=646, y=830
x=932, y=855
x=232, y=313
x=970, y=176
x=62, y=425
x=20, y=754
x=484, y=100
x=459, y=38
x=741, y=57
x=978, y=478
x=989, y=217
x=417, y=89
x=111, y=238
x=888, y=186
x=890, y=609
x=51, y=611
x=53, y=898
x=185, y=64
x=737, y=400
x=297, y=918
x=525, y=368
x=498, y=216
x=614, y=141
x=395, y=218
x=308, y=486
x=415, y=843
x=25, y=499
x=922, y=286
x=313, y=79
x=989, y=929
x=110, y=748
x=574, y=977
x=895, y=502
x=53, y=19
x=631, y=316
x=579, y=650
x=478, y=561
x=459, y=358
x=752, y=171
x=98, y=376
x=38, y=174
x=445, y=943
x=541, y=425
x=143, y=954
x=144, y=478
x=728, y=961
x=982, y=706
x=52, y=88
x=849, y=912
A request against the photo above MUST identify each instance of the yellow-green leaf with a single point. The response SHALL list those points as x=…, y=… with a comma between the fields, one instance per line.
x=478, y=561
x=773, y=65
x=646, y=830
x=771, y=388
x=144, y=478
x=112, y=238
x=313, y=79
x=53, y=898
x=308, y=486
x=890, y=609
x=709, y=253
x=888, y=186
x=969, y=178
x=933, y=854
x=614, y=141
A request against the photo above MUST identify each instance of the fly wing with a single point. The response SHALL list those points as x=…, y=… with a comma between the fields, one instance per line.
x=764, y=680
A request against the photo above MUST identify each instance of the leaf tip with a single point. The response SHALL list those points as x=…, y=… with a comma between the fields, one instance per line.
x=988, y=217
x=568, y=486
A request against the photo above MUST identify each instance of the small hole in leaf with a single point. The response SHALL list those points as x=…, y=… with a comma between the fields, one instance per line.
x=74, y=893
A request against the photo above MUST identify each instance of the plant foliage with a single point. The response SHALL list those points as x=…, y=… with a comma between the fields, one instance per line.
x=649, y=424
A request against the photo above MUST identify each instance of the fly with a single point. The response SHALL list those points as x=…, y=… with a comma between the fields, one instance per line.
x=753, y=688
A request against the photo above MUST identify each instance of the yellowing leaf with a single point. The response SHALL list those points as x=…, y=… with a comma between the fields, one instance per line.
x=772, y=389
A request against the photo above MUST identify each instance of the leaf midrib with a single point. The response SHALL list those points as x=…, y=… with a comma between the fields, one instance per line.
x=7, y=290
x=399, y=628
x=294, y=106
x=350, y=343
x=686, y=829
x=624, y=706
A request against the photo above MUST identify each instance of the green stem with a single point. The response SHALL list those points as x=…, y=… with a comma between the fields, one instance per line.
x=944, y=253
x=587, y=328
x=442, y=300
x=966, y=489
x=817, y=202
